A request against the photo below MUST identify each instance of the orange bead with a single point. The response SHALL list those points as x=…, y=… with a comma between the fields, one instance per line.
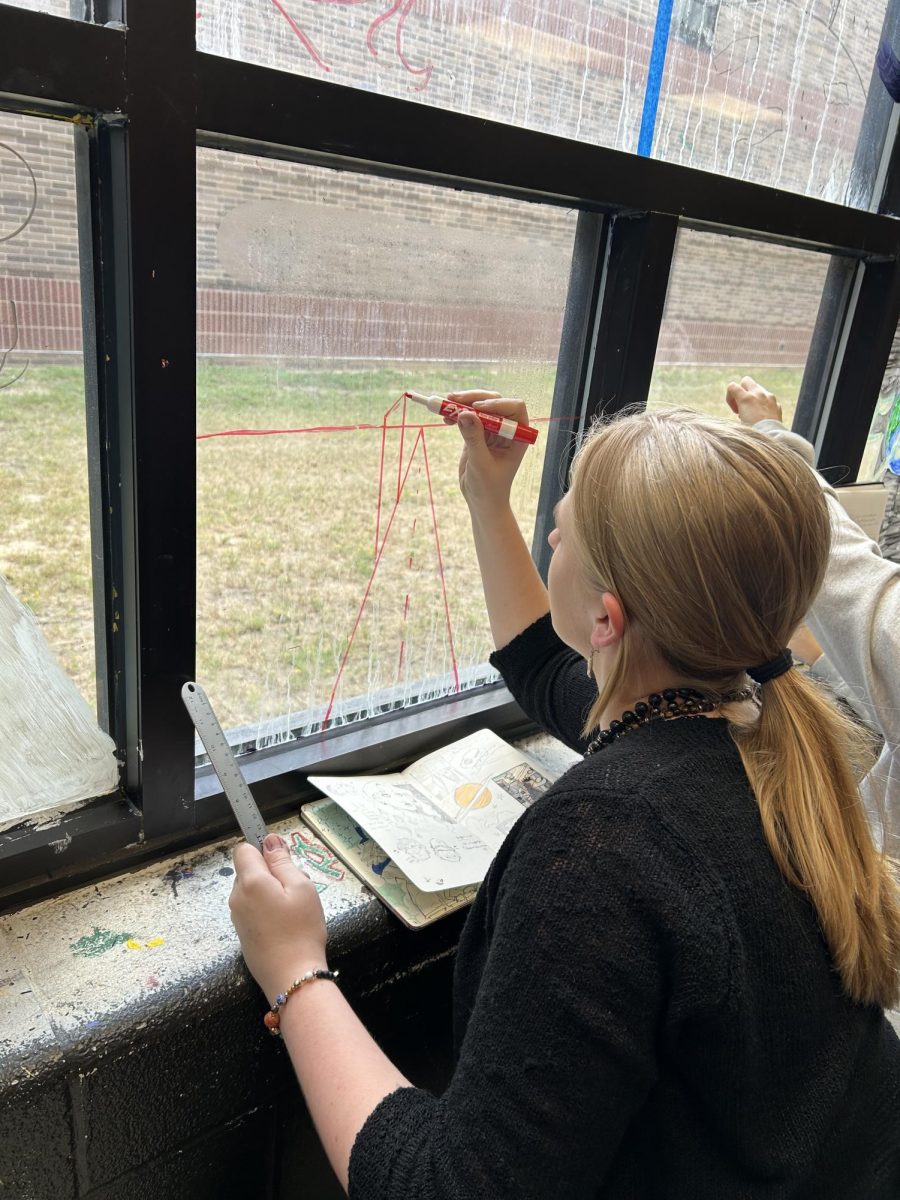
x=271, y=1020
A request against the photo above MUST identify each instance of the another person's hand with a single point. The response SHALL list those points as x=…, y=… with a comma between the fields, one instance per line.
x=488, y=463
x=752, y=402
x=276, y=911
x=804, y=646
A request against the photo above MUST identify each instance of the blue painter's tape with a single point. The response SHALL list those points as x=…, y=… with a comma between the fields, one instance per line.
x=654, y=77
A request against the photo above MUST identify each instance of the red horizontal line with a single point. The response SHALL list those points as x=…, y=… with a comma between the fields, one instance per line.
x=364, y=428
x=308, y=429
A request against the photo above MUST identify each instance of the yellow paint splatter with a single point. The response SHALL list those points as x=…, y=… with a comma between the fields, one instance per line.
x=134, y=944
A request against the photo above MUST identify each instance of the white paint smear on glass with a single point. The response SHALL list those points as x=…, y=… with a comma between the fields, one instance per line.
x=53, y=753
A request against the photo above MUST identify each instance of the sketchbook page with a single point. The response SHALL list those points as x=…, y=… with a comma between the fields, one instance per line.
x=377, y=871
x=479, y=786
x=481, y=781
x=443, y=820
x=435, y=852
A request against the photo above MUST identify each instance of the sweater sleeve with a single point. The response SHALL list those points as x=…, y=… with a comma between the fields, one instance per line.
x=823, y=670
x=558, y=1054
x=549, y=681
x=787, y=437
x=856, y=618
x=856, y=615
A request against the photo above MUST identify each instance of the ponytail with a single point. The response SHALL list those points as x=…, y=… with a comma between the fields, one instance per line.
x=715, y=541
x=798, y=757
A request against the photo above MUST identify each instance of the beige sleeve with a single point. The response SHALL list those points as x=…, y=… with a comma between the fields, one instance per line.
x=856, y=615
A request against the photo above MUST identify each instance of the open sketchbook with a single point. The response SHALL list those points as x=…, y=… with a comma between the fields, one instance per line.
x=423, y=840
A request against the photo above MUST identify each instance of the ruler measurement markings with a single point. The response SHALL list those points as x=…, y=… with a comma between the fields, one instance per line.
x=221, y=756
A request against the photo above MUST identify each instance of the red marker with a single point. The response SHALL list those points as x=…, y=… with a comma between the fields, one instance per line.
x=493, y=423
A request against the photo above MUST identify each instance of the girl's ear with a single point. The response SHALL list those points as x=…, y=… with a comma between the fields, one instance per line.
x=609, y=624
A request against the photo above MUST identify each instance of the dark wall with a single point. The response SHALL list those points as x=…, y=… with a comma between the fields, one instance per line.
x=195, y=1100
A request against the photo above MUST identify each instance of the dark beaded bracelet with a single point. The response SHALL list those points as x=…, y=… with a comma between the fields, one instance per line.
x=272, y=1019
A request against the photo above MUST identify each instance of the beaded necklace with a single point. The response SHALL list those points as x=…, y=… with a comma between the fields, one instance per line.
x=666, y=705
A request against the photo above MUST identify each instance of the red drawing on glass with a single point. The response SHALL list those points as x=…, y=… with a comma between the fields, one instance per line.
x=403, y=7
x=418, y=455
x=388, y=495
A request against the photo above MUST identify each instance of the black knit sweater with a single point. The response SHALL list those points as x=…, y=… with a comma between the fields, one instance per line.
x=644, y=1009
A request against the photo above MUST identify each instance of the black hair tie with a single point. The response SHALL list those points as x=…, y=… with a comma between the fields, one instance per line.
x=776, y=666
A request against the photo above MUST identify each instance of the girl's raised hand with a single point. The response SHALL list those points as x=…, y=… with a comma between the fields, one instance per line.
x=752, y=402
x=276, y=911
x=489, y=462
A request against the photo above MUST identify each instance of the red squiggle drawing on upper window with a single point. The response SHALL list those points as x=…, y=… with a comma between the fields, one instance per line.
x=403, y=7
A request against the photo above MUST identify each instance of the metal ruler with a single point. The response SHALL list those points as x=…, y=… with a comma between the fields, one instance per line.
x=222, y=758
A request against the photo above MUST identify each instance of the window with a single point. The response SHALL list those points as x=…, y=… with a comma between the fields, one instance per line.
x=882, y=452
x=758, y=91
x=247, y=503
x=56, y=8
x=48, y=672
x=694, y=23
x=734, y=308
x=336, y=575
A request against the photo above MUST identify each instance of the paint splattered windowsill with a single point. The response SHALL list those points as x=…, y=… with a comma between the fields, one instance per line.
x=137, y=949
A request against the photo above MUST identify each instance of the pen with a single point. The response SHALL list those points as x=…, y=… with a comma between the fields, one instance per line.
x=493, y=423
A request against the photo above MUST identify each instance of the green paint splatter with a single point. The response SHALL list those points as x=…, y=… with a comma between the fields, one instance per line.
x=97, y=942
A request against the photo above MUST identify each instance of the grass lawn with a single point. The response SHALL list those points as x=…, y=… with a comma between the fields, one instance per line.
x=290, y=526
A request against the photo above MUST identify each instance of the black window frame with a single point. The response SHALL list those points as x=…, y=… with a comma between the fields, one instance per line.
x=142, y=99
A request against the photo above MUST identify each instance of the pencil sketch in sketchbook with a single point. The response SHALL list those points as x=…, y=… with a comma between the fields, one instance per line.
x=442, y=820
x=367, y=860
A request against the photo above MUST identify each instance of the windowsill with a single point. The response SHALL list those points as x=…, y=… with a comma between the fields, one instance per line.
x=88, y=971
x=106, y=836
x=96, y=970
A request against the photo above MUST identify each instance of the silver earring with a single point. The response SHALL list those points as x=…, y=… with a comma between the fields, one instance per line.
x=590, y=664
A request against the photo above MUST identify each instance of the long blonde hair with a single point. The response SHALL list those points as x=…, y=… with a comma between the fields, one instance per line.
x=715, y=541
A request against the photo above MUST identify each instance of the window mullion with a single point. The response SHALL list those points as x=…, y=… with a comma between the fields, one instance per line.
x=161, y=199
x=576, y=348
x=615, y=349
x=102, y=224
x=853, y=394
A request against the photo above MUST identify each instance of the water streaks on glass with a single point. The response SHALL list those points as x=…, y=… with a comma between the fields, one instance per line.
x=772, y=91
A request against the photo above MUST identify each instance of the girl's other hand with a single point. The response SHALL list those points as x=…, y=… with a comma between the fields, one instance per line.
x=804, y=646
x=489, y=462
x=276, y=911
x=752, y=402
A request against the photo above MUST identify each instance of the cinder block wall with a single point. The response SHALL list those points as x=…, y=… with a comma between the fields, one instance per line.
x=133, y=1059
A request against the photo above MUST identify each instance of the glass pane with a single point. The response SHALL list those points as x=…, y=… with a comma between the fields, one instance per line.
x=734, y=308
x=770, y=92
x=766, y=91
x=882, y=453
x=336, y=574
x=45, y=547
x=56, y=8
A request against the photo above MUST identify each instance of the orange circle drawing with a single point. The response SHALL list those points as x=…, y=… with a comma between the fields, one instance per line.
x=472, y=795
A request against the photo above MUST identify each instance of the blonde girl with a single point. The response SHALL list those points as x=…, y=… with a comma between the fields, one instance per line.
x=672, y=982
